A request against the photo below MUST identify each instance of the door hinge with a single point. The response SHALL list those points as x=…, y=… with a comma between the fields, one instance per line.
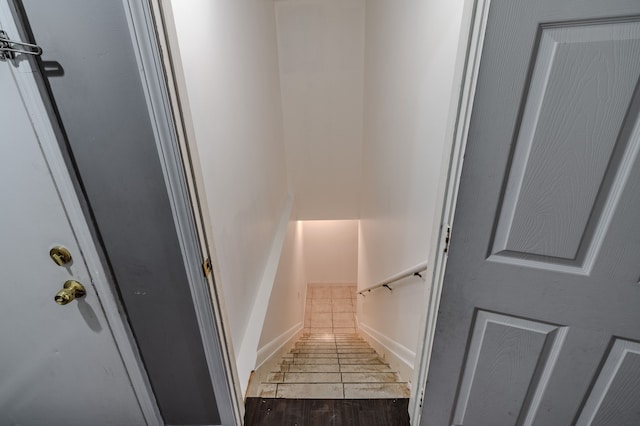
x=447, y=239
x=421, y=397
x=206, y=267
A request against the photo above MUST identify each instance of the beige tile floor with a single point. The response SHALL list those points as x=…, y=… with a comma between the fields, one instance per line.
x=331, y=360
x=330, y=309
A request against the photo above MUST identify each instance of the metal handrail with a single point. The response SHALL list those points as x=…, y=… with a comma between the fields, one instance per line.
x=404, y=274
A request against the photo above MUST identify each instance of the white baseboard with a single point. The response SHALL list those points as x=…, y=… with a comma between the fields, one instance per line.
x=274, y=347
x=398, y=356
x=269, y=357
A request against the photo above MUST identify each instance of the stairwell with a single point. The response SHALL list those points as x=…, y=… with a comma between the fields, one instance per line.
x=333, y=366
x=330, y=360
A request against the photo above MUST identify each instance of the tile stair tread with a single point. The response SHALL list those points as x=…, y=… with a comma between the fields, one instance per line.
x=346, y=368
x=376, y=390
x=369, y=377
x=317, y=355
x=328, y=351
x=314, y=351
x=333, y=366
x=305, y=390
x=336, y=367
x=331, y=362
x=331, y=377
x=365, y=368
x=358, y=355
x=363, y=385
x=332, y=344
x=313, y=368
x=315, y=361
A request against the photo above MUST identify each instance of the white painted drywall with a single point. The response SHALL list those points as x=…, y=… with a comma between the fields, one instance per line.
x=410, y=54
x=331, y=251
x=229, y=55
x=287, y=301
x=246, y=355
x=321, y=53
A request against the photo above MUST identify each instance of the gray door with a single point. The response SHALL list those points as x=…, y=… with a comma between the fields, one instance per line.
x=539, y=321
x=59, y=365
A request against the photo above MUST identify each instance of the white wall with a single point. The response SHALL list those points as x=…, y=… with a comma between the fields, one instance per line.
x=321, y=52
x=285, y=313
x=410, y=53
x=331, y=251
x=229, y=56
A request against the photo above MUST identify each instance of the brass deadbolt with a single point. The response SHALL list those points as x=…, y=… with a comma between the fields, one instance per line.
x=70, y=291
x=60, y=255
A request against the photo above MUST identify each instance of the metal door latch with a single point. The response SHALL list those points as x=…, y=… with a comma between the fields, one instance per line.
x=9, y=49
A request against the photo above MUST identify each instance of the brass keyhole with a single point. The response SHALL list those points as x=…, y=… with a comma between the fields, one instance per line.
x=70, y=291
x=60, y=255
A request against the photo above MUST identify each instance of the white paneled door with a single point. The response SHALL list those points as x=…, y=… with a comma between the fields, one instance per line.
x=539, y=321
x=68, y=364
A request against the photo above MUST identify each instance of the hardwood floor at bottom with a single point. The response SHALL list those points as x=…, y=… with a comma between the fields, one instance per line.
x=338, y=412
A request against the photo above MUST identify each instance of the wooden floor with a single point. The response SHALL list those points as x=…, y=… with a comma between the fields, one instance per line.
x=284, y=412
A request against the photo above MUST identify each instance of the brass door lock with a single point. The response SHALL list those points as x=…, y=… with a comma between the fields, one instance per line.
x=70, y=291
x=60, y=255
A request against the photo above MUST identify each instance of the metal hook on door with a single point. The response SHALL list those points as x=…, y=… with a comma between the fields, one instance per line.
x=8, y=48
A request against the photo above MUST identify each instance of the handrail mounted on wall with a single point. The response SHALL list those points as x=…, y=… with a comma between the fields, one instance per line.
x=404, y=274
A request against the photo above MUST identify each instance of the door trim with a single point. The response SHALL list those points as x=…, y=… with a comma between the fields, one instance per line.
x=146, y=25
x=31, y=88
x=472, y=32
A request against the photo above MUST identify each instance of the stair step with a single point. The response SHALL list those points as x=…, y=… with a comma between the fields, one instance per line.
x=335, y=390
x=334, y=351
x=376, y=377
x=364, y=368
x=308, y=390
x=371, y=360
x=331, y=362
x=336, y=368
x=304, y=378
x=376, y=390
x=358, y=355
x=315, y=355
x=331, y=377
x=313, y=368
x=315, y=361
x=356, y=350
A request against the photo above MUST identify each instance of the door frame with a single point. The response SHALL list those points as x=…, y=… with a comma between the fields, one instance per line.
x=34, y=94
x=147, y=21
x=153, y=34
x=472, y=31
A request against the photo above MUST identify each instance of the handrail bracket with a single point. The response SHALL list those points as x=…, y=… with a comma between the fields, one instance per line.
x=415, y=271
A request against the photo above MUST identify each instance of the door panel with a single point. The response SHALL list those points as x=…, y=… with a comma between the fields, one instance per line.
x=58, y=364
x=554, y=211
x=614, y=397
x=506, y=350
x=541, y=288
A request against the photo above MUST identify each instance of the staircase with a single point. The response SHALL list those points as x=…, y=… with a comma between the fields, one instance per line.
x=333, y=366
